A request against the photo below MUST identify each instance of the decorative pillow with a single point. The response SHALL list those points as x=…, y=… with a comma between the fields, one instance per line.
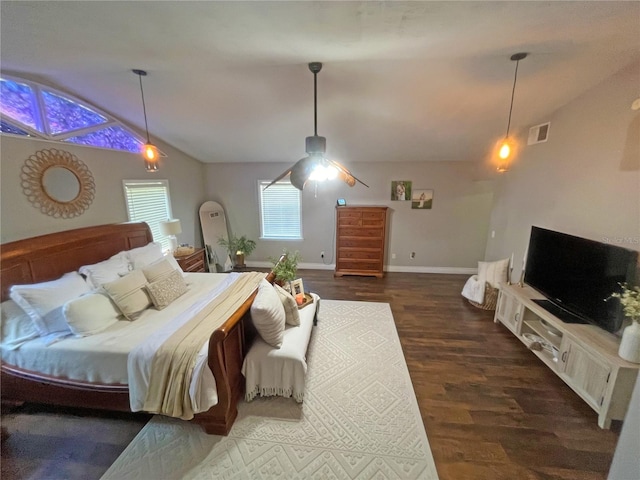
x=90, y=314
x=129, y=294
x=493, y=272
x=142, y=256
x=158, y=270
x=292, y=315
x=43, y=301
x=16, y=324
x=174, y=263
x=268, y=314
x=167, y=289
x=106, y=271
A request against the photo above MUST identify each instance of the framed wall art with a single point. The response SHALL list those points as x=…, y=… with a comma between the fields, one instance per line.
x=401, y=190
x=422, y=199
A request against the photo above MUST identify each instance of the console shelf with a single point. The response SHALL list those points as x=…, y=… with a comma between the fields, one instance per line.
x=585, y=357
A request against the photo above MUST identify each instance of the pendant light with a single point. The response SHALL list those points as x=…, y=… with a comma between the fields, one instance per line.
x=507, y=145
x=149, y=151
x=315, y=166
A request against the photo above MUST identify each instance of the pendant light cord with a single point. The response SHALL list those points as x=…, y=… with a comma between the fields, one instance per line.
x=144, y=109
x=513, y=91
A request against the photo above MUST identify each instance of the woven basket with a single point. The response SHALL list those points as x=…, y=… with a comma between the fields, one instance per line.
x=490, y=298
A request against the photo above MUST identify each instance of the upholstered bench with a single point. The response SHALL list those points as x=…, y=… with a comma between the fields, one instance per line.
x=270, y=371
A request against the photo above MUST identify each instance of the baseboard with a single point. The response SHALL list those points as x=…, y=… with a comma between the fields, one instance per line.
x=388, y=268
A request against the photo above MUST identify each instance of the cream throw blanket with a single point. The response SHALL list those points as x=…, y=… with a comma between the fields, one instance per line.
x=173, y=363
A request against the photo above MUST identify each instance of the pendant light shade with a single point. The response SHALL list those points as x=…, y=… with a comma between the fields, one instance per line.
x=315, y=166
x=507, y=146
x=150, y=152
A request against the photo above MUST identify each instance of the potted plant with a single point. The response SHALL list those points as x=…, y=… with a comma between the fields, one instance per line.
x=238, y=247
x=285, y=271
x=630, y=300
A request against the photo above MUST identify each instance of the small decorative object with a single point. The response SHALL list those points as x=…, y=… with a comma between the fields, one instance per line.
x=510, y=272
x=630, y=300
x=422, y=199
x=286, y=270
x=238, y=247
x=401, y=190
x=300, y=298
x=297, y=288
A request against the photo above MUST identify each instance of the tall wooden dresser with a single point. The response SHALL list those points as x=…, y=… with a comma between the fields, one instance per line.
x=360, y=240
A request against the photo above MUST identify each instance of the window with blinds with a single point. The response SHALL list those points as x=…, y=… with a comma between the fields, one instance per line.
x=148, y=201
x=280, y=211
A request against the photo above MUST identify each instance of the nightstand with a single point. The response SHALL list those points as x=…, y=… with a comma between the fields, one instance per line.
x=192, y=262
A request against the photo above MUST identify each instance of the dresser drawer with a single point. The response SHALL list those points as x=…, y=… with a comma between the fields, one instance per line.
x=359, y=254
x=360, y=265
x=193, y=262
x=360, y=232
x=360, y=242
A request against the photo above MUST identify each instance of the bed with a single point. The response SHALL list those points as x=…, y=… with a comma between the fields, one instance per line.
x=47, y=258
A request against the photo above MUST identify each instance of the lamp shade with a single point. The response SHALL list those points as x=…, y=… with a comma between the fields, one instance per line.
x=170, y=227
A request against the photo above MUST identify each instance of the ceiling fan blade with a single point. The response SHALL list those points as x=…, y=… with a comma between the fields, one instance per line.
x=287, y=172
x=347, y=173
x=301, y=171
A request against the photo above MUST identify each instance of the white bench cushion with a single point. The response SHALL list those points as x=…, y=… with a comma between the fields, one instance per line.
x=270, y=371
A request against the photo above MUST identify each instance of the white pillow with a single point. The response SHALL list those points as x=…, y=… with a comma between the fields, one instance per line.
x=43, y=301
x=16, y=324
x=90, y=314
x=493, y=272
x=129, y=294
x=268, y=314
x=174, y=263
x=142, y=256
x=292, y=315
x=107, y=270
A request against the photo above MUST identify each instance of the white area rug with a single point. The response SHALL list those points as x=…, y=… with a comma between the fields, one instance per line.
x=359, y=420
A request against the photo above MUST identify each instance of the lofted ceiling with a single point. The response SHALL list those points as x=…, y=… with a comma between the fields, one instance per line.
x=402, y=81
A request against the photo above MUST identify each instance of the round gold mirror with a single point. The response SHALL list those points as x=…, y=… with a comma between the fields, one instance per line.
x=57, y=183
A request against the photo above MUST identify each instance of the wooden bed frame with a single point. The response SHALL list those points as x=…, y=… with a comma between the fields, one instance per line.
x=48, y=257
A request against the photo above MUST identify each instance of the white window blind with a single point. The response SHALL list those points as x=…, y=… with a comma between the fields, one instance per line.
x=280, y=211
x=148, y=201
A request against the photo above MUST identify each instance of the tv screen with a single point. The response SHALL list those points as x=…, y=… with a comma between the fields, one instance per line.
x=576, y=275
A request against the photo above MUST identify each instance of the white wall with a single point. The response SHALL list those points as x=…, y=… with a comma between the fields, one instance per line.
x=450, y=237
x=585, y=180
x=21, y=220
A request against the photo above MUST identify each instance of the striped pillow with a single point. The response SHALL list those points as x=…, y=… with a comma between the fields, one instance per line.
x=292, y=315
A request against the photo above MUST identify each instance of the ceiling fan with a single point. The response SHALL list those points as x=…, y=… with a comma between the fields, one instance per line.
x=315, y=162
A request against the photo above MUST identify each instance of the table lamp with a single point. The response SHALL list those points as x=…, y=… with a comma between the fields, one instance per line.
x=171, y=228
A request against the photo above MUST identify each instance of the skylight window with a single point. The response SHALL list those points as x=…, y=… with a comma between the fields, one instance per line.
x=31, y=109
x=64, y=115
x=18, y=103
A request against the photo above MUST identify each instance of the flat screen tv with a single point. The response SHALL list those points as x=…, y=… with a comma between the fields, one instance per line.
x=576, y=275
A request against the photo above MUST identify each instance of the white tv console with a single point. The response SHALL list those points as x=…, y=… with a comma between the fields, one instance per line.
x=585, y=357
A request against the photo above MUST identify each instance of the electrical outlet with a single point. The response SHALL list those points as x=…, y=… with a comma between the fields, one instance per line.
x=393, y=256
x=322, y=254
x=412, y=255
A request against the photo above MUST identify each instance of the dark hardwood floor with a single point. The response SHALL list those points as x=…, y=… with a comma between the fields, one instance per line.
x=490, y=408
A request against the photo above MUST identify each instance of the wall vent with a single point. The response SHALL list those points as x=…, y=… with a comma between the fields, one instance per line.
x=539, y=133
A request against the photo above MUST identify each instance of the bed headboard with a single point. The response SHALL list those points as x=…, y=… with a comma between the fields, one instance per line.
x=47, y=257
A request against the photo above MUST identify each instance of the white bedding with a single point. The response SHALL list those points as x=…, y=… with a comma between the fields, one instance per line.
x=102, y=358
